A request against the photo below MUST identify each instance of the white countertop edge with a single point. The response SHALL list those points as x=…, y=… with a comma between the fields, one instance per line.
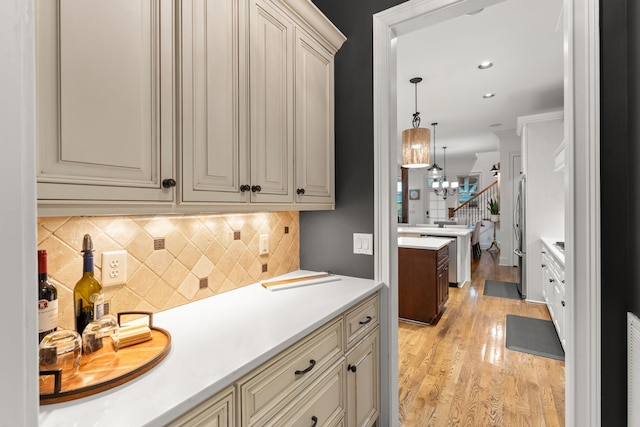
x=176, y=386
x=433, y=231
x=549, y=243
x=429, y=243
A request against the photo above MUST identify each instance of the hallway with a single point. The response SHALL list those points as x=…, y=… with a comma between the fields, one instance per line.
x=459, y=372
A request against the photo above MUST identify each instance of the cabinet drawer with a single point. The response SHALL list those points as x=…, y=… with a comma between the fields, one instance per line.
x=218, y=411
x=265, y=392
x=442, y=256
x=361, y=319
x=323, y=401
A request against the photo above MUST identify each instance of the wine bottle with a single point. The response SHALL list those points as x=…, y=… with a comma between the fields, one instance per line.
x=87, y=294
x=47, y=299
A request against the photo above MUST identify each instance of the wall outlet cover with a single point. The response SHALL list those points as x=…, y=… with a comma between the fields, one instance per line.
x=114, y=268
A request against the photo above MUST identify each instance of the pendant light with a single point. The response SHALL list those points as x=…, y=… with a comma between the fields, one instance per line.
x=435, y=171
x=415, y=141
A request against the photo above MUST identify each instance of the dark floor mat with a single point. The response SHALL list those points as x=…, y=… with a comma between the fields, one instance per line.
x=496, y=288
x=533, y=336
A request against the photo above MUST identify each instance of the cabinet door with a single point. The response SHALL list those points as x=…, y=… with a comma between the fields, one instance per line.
x=271, y=94
x=103, y=131
x=314, y=134
x=219, y=411
x=214, y=149
x=363, y=382
x=442, y=282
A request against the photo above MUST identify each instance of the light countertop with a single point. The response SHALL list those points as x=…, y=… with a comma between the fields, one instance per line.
x=215, y=341
x=434, y=231
x=557, y=253
x=431, y=243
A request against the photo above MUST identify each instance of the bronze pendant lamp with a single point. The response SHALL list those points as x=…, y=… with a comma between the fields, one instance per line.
x=416, y=140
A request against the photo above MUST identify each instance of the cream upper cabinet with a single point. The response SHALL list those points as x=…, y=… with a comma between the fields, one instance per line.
x=314, y=105
x=194, y=105
x=105, y=108
x=213, y=126
x=271, y=99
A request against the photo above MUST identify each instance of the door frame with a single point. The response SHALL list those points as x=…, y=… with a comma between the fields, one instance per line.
x=582, y=189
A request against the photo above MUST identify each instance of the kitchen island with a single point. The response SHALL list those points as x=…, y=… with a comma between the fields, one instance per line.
x=462, y=257
x=423, y=278
x=215, y=342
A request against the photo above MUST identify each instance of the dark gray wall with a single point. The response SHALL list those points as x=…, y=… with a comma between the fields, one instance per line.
x=619, y=250
x=326, y=238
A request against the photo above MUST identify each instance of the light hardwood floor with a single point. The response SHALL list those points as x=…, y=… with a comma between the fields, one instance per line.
x=459, y=372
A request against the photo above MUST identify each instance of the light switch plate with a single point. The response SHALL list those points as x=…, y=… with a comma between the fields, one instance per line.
x=114, y=268
x=363, y=243
x=264, y=244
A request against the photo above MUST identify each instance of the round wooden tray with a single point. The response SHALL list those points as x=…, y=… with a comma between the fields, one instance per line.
x=95, y=376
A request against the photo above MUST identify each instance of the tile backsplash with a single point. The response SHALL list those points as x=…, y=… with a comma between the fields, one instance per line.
x=223, y=249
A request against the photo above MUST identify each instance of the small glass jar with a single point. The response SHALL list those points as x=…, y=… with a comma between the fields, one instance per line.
x=100, y=340
x=61, y=349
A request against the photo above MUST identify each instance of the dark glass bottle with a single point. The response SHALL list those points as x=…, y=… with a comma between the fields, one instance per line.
x=87, y=294
x=47, y=299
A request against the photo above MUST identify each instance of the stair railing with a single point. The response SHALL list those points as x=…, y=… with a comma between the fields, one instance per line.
x=476, y=208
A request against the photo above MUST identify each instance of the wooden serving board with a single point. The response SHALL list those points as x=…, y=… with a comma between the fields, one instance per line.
x=95, y=376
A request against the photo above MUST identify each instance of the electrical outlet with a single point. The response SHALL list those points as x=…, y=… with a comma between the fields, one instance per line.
x=264, y=244
x=114, y=268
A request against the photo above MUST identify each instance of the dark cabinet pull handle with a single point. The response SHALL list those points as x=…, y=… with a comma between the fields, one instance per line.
x=315, y=421
x=550, y=280
x=244, y=188
x=300, y=191
x=352, y=368
x=544, y=265
x=364, y=322
x=563, y=281
x=256, y=188
x=563, y=303
x=543, y=252
x=168, y=183
x=312, y=364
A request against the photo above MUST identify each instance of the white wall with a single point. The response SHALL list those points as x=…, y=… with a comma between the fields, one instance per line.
x=19, y=384
x=510, y=147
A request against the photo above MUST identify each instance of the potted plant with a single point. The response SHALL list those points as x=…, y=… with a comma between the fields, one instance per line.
x=494, y=209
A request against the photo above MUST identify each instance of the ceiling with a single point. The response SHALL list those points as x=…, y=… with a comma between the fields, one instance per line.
x=524, y=41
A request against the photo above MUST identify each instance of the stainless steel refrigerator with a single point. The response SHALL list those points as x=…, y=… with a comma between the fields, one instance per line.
x=519, y=228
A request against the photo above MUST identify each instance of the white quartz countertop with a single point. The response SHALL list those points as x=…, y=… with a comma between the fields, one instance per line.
x=433, y=231
x=557, y=253
x=431, y=243
x=215, y=341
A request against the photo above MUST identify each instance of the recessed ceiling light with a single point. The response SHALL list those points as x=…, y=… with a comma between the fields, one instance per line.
x=475, y=12
x=495, y=125
x=485, y=64
x=488, y=95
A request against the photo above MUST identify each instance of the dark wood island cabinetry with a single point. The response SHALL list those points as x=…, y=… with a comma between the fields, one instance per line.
x=423, y=279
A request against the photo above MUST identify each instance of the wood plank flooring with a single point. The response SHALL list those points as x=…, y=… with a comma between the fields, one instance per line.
x=459, y=372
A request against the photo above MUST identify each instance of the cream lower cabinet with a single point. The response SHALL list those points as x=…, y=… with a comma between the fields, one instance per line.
x=553, y=285
x=104, y=85
x=329, y=378
x=218, y=411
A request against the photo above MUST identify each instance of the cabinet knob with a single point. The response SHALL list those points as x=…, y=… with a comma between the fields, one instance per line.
x=300, y=191
x=245, y=187
x=544, y=265
x=352, y=368
x=550, y=280
x=256, y=188
x=563, y=303
x=168, y=183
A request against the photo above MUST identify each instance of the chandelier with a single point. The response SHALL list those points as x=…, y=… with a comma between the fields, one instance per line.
x=442, y=187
